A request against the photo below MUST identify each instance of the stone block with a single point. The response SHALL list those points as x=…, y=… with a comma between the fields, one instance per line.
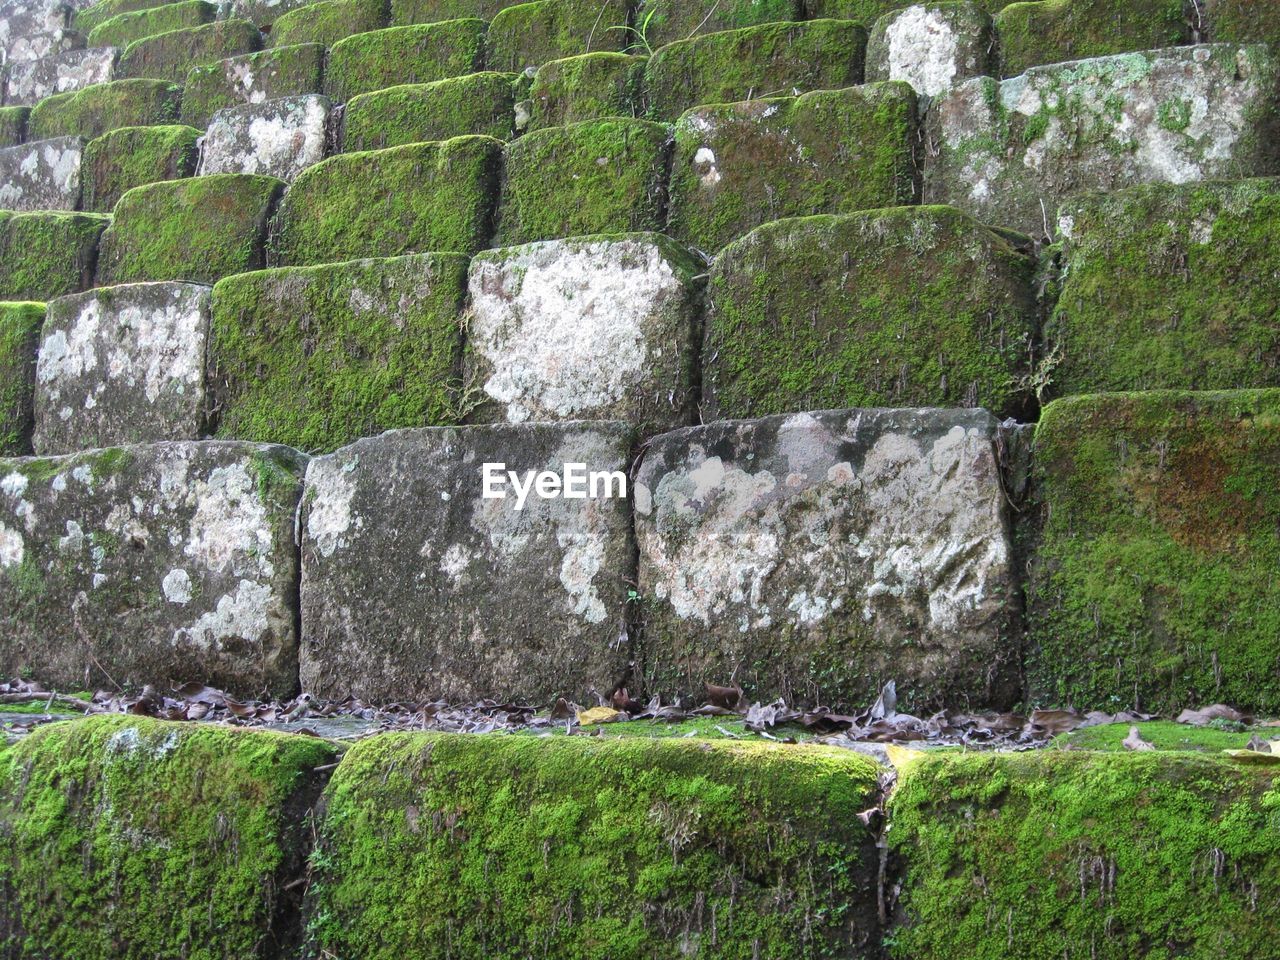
x=28, y=47
x=328, y=21
x=47, y=254
x=96, y=110
x=88, y=17
x=405, y=12
x=531, y=34
x=130, y=157
x=482, y=104
x=29, y=83
x=588, y=87
x=19, y=339
x=279, y=138
x=399, y=55
x=13, y=125
x=1240, y=21
x=281, y=71
x=170, y=56
x=932, y=46
x=265, y=13
x=41, y=175
x=668, y=21
x=124, y=28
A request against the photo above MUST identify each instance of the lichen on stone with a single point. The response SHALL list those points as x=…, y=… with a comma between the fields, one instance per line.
x=281, y=71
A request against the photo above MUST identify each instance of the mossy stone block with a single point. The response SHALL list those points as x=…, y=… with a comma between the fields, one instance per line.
x=908, y=307
x=834, y=151
x=170, y=56
x=279, y=138
x=281, y=71
x=405, y=12
x=932, y=46
x=660, y=22
x=86, y=19
x=400, y=55
x=594, y=822
x=778, y=59
x=13, y=125
x=126, y=836
x=599, y=176
x=1078, y=853
x=431, y=197
x=47, y=254
x=1153, y=580
x=95, y=110
x=199, y=230
x=317, y=357
x=531, y=34
x=481, y=104
x=129, y=157
x=867, y=12
x=264, y=13
x=328, y=21
x=1054, y=31
x=123, y=29
x=589, y=87
x=20, y=323
x=1244, y=21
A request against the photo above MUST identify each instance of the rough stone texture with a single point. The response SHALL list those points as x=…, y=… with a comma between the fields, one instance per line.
x=264, y=12
x=317, y=357
x=122, y=29
x=433, y=197
x=777, y=59
x=152, y=564
x=279, y=138
x=89, y=17
x=1009, y=151
x=198, y=230
x=129, y=157
x=29, y=47
x=815, y=556
x=19, y=338
x=122, y=365
x=1153, y=581
x=41, y=175
x=328, y=21
x=404, y=12
x=531, y=34
x=482, y=104
x=48, y=253
x=672, y=20
x=869, y=11
x=282, y=71
x=590, y=87
x=13, y=125
x=29, y=83
x=399, y=55
x=170, y=56
x=599, y=176
x=836, y=151
x=414, y=587
x=907, y=307
x=932, y=46
x=588, y=328
x=1241, y=21
x=95, y=110
x=548, y=821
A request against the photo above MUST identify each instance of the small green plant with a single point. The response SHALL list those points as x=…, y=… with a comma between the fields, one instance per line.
x=641, y=33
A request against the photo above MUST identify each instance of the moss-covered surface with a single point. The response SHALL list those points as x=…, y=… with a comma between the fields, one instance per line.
x=1161, y=734
x=867, y=12
x=906, y=307
x=1054, y=31
x=132, y=156
x=103, y=107
x=531, y=34
x=198, y=230
x=281, y=71
x=128, y=838
x=13, y=125
x=1153, y=582
x=431, y=197
x=169, y=56
x=85, y=20
x=404, y=12
x=329, y=21
x=1039, y=856
x=590, y=87
x=438, y=846
x=778, y=59
x=317, y=357
x=482, y=104
x=740, y=165
x=399, y=55
x=123, y=29
x=1244, y=21
x=599, y=176
x=1169, y=287
x=19, y=338
x=47, y=254
x=660, y=22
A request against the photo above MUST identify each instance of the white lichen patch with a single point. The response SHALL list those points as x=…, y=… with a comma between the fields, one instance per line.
x=330, y=488
x=230, y=530
x=44, y=175
x=176, y=586
x=29, y=83
x=12, y=547
x=244, y=614
x=279, y=138
x=923, y=50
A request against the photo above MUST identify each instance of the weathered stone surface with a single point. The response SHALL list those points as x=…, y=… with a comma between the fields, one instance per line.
x=130, y=157
x=908, y=307
x=169, y=56
x=282, y=71
x=399, y=55
x=280, y=138
x=1241, y=21
x=13, y=125
x=122, y=29
x=834, y=151
x=19, y=338
x=95, y=110
x=531, y=34
x=28, y=47
x=404, y=12
x=264, y=13
x=1054, y=31
x=1009, y=151
x=582, y=329
x=815, y=556
x=21, y=20
x=599, y=176
x=88, y=17
x=432, y=196
x=414, y=587
x=777, y=59
x=41, y=175
x=482, y=104
x=672, y=20
x=588, y=87
x=328, y=21
x=932, y=46
x=152, y=564
x=122, y=365
x=29, y=83
x=317, y=357
x=47, y=254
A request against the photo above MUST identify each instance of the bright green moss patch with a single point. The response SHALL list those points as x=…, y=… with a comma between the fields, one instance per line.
x=122, y=30
x=600, y=176
x=482, y=104
x=95, y=110
x=404, y=12
x=87, y=19
x=317, y=357
x=660, y=22
x=130, y=838
x=1162, y=734
x=431, y=197
x=1153, y=584
x=47, y=254
x=531, y=34
x=504, y=847
x=590, y=87
x=1037, y=856
x=253, y=77
x=1054, y=31
x=198, y=230
x=19, y=337
x=399, y=55
x=170, y=56
x=13, y=125
x=329, y=21
x=132, y=156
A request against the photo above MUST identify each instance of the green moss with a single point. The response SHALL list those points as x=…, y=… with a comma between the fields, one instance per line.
x=48, y=254
x=282, y=71
x=132, y=156
x=169, y=56
x=836, y=151
x=399, y=55
x=1054, y=31
x=622, y=849
x=198, y=230
x=13, y=125
x=20, y=324
x=132, y=838
x=123, y=29
x=85, y=20
x=1162, y=734
x=404, y=12
x=531, y=34
x=433, y=197
x=103, y=107
x=590, y=87
x=661, y=22
x=329, y=21
x=1037, y=856
x=866, y=12
x=482, y=104
x=1245, y=21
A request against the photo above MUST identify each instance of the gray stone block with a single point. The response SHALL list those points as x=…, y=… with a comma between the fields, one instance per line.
x=42, y=175
x=280, y=138
x=932, y=46
x=29, y=83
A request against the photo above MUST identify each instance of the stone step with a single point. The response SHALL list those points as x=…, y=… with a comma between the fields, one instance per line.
x=481, y=104
x=47, y=254
x=20, y=324
x=668, y=21
x=123, y=29
x=405, y=12
x=531, y=34
x=400, y=55
x=103, y=107
x=593, y=86
x=91, y=15
x=41, y=175
x=129, y=157
x=328, y=22
x=29, y=83
x=933, y=46
x=278, y=138
x=280, y=71
x=170, y=56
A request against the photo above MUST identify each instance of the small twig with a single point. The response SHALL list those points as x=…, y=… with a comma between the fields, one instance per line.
x=327, y=766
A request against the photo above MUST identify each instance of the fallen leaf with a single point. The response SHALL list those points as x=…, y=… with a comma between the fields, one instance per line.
x=598, y=715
